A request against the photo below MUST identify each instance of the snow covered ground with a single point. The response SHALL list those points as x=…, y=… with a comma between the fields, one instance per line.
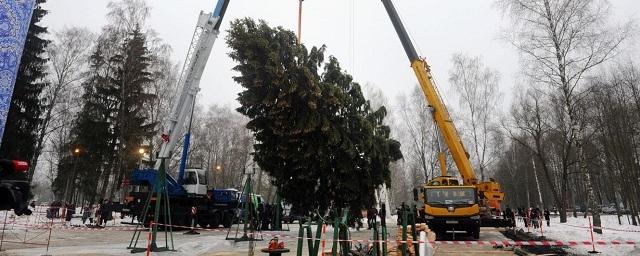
x=75, y=239
x=577, y=229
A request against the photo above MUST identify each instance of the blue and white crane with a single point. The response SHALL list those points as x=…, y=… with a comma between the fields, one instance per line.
x=216, y=206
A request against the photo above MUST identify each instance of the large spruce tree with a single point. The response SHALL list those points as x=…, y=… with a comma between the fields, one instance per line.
x=92, y=133
x=131, y=80
x=113, y=123
x=316, y=134
x=24, y=115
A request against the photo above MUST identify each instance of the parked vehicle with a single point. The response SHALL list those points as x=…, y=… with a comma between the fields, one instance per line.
x=15, y=191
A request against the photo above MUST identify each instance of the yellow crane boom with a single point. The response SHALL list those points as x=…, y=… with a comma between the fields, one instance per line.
x=442, y=207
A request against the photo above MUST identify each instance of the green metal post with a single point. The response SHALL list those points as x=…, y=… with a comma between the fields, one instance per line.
x=376, y=238
x=404, y=230
x=416, y=246
x=345, y=245
x=247, y=206
x=316, y=242
x=300, y=239
x=159, y=193
x=383, y=223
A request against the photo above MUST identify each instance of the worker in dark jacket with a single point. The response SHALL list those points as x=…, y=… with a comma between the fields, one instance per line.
x=372, y=214
x=547, y=217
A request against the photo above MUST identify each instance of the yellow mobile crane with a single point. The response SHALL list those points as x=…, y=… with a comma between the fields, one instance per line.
x=449, y=206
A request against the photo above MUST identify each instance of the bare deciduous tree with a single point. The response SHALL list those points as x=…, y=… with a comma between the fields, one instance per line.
x=67, y=54
x=477, y=87
x=560, y=43
x=419, y=140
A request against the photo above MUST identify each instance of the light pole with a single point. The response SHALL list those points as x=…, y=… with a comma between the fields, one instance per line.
x=219, y=169
x=141, y=151
x=76, y=153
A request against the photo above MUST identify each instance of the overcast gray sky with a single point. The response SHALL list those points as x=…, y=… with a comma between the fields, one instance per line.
x=357, y=32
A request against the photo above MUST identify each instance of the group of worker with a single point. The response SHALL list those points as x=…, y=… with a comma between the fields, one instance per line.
x=531, y=217
x=99, y=214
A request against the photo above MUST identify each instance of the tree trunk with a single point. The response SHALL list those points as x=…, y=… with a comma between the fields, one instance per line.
x=565, y=198
x=591, y=199
x=535, y=175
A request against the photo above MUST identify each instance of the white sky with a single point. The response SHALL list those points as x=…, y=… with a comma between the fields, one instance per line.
x=358, y=33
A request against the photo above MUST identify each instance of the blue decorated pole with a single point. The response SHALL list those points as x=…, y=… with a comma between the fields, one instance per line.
x=15, y=16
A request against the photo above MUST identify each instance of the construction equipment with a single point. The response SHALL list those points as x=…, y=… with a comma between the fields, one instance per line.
x=15, y=190
x=449, y=206
x=215, y=206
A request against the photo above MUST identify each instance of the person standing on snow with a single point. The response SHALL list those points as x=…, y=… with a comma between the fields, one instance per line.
x=372, y=214
x=547, y=217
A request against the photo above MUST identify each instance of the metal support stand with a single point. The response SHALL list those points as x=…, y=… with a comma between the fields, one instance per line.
x=248, y=216
x=313, y=244
x=383, y=224
x=340, y=229
x=160, y=191
x=277, y=217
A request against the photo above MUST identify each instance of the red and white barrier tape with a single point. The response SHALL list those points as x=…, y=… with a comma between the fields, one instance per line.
x=586, y=227
x=492, y=242
x=42, y=226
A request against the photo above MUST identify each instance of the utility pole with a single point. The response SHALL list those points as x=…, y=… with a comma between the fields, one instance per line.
x=300, y=21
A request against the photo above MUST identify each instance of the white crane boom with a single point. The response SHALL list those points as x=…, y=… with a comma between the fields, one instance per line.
x=204, y=36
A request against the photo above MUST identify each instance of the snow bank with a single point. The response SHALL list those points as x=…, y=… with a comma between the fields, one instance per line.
x=577, y=229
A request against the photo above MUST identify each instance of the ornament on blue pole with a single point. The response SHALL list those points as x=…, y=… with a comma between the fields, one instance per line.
x=15, y=16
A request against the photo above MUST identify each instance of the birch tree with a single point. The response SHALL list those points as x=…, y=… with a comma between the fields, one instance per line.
x=477, y=88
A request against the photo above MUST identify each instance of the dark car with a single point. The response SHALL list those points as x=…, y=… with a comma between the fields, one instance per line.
x=15, y=191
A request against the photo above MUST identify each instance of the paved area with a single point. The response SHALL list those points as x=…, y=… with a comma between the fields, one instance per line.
x=114, y=242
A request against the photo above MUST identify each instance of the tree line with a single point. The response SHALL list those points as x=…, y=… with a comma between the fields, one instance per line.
x=86, y=104
x=568, y=141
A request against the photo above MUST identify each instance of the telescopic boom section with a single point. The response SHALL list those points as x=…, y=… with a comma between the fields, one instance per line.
x=204, y=36
x=440, y=114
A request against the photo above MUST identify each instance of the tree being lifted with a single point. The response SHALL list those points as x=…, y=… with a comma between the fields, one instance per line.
x=316, y=134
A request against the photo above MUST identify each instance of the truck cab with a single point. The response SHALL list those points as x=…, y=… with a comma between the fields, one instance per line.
x=195, y=182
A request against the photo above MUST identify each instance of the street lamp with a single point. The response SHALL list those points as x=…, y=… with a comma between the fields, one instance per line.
x=76, y=153
x=141, y=151
x=219, y=168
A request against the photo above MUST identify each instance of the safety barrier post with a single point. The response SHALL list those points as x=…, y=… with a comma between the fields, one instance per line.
x=324, y=237
x=423, y=243
x=49, y=238
x=149, y=238
x=593, y=244
x=26, y=228
x=4, y=225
